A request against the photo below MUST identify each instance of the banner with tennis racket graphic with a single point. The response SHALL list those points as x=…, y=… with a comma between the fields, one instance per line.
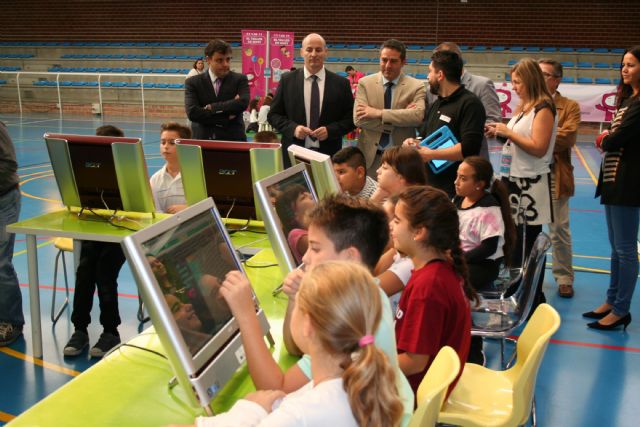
x=265, y=56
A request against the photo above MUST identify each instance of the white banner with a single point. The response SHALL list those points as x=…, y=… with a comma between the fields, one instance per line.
x=597, y=102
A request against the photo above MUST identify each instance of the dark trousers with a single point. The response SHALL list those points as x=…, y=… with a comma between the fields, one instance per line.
x=99, y=266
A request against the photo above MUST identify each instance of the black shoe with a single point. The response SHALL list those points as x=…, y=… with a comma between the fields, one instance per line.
x=9, y=333
x=594, y=315
x=105, y=343
x=624, y=321
x=79, y=340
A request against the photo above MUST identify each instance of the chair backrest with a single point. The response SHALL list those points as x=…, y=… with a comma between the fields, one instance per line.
x=433, y=387
x=531, y=272
x=530, y=349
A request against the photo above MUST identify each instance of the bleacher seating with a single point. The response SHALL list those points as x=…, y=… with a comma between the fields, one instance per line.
x=602, y=81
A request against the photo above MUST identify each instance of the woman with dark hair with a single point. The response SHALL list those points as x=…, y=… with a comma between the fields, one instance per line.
x=620, y=194
x=198, y=68
x=527, y=153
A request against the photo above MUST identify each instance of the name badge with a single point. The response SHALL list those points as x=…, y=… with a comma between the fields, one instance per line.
x=505, y=160
x=444, y=118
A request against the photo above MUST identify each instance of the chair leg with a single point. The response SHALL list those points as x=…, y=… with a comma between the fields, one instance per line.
x=65, y=304
x=534, y=421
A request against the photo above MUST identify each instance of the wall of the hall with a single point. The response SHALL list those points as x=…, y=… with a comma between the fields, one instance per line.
x=574, y=23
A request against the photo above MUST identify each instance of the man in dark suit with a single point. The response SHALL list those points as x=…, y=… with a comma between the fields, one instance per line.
x=313, y=106
x=215, y=99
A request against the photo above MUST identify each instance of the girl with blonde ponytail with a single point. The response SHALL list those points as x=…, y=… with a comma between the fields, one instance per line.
x=342, y=303
x=338, y=309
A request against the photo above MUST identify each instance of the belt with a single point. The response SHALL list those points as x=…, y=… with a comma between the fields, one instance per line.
x=8, y=190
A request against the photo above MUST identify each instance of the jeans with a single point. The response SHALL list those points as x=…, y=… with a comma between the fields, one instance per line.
x=99, y=267
x=622, y=224
x=10, y=295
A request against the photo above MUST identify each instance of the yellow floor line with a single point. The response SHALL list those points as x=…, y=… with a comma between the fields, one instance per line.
x=36, y=197
x=39, y=362
x=37, y=174
x=5, y=418
x=24, y=251
x=586, y=166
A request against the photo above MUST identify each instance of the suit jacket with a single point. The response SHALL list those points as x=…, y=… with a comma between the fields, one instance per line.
x=568, y=112
x=399, y=121
x=224, y=120
x=288, y=111
x=484, y=89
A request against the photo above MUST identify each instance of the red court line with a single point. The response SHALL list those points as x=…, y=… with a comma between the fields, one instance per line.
x=591, y=345
x=50, y=288
x=603, y=346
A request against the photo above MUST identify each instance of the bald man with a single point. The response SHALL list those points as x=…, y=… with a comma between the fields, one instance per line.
x=313, y=106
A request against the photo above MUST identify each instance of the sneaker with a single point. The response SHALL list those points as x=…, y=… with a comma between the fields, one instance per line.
x=9, y=333
x=79, y=340
x=106, y=342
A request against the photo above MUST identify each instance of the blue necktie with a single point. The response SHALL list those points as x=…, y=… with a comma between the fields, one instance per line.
x=385, y=137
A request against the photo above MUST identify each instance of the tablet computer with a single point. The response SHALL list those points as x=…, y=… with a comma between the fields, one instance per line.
x=439, y=139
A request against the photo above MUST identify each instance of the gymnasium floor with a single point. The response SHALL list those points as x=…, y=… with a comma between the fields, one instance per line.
x=588, y=378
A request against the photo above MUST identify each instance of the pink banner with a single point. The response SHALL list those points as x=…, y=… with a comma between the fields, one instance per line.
x=281, y=55
x=254, y=59
x=597, y=102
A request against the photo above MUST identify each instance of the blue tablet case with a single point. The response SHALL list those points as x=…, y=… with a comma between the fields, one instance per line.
x=440, y=138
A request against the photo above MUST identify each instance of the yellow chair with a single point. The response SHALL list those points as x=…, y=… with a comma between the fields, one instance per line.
x=483, y=397
x=63, y=244
x=433, y=387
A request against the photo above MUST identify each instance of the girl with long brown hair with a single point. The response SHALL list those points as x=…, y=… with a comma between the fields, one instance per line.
x=434, y=307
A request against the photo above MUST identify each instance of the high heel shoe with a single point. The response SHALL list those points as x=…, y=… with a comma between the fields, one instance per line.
x=624, y=321
x=594, y=315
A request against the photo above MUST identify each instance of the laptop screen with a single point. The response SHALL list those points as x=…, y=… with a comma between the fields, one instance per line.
x=190, y=262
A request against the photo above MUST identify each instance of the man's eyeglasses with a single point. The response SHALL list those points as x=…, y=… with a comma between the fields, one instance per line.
x=548, y=75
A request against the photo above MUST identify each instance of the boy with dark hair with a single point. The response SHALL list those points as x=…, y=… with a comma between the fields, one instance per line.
x=266, y=136
x=99, y=267
x=351, y=169
x=341, y=227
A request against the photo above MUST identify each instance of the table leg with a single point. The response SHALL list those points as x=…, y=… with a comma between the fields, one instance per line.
x=34, y=295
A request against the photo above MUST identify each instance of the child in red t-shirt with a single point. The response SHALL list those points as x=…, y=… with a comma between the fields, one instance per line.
x=434, y=307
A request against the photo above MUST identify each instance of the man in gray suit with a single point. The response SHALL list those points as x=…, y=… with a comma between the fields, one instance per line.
x=389, y=105
x=482, y=87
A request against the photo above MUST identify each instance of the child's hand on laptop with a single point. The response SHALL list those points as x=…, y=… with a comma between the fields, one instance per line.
x=236, y=290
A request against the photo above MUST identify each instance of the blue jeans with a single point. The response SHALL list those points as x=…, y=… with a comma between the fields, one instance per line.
x=622, y=224
x=10, y=296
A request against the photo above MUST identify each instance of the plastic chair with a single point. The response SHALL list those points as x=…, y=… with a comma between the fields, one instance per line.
x=63, y=244
x=483, y=397
x=433, y=387
x=499, y=318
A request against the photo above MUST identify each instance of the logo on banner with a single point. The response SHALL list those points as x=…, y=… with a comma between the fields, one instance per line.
x=608, y=105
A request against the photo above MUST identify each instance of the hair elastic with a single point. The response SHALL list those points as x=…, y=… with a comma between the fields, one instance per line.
x=366, y=340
